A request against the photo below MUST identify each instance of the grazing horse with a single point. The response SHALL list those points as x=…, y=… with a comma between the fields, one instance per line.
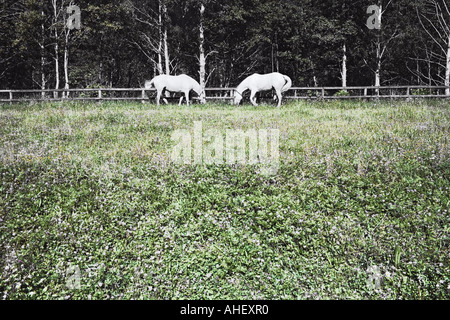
x=260, y=82
x=182, y=83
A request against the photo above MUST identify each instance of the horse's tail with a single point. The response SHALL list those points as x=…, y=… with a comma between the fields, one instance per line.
x=287, y=85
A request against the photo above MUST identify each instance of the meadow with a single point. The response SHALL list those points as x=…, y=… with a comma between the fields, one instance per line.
x=358, y=208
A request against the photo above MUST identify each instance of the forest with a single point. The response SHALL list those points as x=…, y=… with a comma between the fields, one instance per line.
x=317, y=43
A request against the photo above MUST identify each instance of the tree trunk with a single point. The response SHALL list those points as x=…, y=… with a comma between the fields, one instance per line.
x=160, y=45
x=166, y=53
x=344, y=67
x=166, y=47
x=55, y=21
x=447, y=68
x=272, y=70
x=42, y=47
x=277, y=65
x=430, y=82
x=378, y=69
x=56, y=70
x=66, y=64
x=379, y=54
x=313, y=68
x=202, y=58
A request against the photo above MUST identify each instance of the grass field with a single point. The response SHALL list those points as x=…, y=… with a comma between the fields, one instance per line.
x=357, y=210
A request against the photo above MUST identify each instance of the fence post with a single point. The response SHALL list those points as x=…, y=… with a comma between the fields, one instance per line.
x=323, y=93
x=144, y=96
x=100, y=94
x=408, y=92
x=10, y=97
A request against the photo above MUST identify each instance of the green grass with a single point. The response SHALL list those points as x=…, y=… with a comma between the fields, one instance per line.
x=360, y=184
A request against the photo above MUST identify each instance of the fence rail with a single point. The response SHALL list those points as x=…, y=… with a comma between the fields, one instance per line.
x=294, y=93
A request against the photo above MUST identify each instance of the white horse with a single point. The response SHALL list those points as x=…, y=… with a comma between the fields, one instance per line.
x=182, y=83
x=260, y=82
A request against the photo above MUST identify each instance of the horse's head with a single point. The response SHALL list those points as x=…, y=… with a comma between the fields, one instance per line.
x=237, y=98
x=200, y=92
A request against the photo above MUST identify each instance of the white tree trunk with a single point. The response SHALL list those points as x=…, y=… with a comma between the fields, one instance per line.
x=56, y=70
x=166, y=46
x=55, y=21
x=202, y=58
x=160, y=45
x=166, y=53
x=379, y=54
x=377, y=79
x=344, y=67
x=378, y=69
x=42, y=47
x=66, y=64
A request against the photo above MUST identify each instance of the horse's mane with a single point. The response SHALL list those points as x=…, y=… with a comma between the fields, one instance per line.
x=243, y=85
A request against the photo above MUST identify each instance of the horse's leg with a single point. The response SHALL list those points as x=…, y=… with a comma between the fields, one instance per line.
x=279, y=97
x=181, y=100
x=166, y=93
x=158, y=96
x=187, y=97
x=253, y=98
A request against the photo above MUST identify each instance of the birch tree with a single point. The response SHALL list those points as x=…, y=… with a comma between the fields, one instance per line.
x=164, y=23
x=202, y=59
x=62, y=35
x=202, y=56
x=71, y=22
x=384, y=34
x=149, y=43
x=57, y=11
x=344, y=66
x=435, y=20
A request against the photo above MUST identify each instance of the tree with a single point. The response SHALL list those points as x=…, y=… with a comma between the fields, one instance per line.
x=342, y=16
x=434, y=18
x=57, y=10
x=70, y=24
x=149, y=43
x=202, y=56
x=391, y=28
x=202, y=59
x=122, y=43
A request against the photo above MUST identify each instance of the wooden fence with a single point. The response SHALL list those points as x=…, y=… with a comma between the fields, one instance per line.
x=224, y=94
